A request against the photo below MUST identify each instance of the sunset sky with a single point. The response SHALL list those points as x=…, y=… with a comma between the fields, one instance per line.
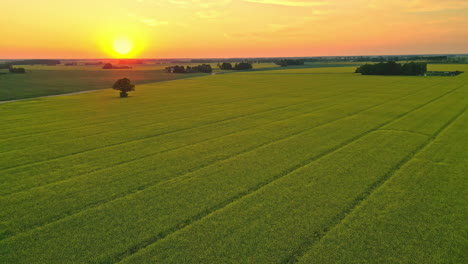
x=231, y=28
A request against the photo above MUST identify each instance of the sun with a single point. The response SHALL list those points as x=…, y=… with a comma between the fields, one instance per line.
x=122, y=46
x=126, y=43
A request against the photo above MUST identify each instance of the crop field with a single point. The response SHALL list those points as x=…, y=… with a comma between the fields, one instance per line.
x=53, y=80
x=43, y=80
x=307, y=165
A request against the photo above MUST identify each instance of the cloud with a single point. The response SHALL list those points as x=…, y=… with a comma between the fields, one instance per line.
x=200, y=3
x=152, y=22
x=179, y=2
x=213, y=3
x=267, y=32
x=294, y=3
x=419, y=6
x=436, y=6
x=208, y=14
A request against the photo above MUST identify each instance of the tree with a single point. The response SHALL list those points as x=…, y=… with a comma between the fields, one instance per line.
x=206, y=68
x=393, y=68
x=16, y=70
x=225, y=66
x=243, y=66
x=107, y=66
x=286, y=62
x=123, y=85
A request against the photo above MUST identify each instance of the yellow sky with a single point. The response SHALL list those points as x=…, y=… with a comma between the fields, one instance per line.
x=232, y=28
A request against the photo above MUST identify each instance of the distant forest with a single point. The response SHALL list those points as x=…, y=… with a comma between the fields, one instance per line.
x=425, y=58
x=34, y=62
x=287, y=62
x=205, y=68
x=242, y=66
x=393, y=68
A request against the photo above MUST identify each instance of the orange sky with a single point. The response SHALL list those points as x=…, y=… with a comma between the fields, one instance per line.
x=232, y=28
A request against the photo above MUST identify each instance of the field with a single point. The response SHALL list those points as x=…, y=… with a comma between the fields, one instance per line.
x=53, y=80
x=312, y=165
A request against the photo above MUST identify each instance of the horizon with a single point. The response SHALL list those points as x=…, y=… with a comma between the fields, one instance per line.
x=242, y=57
x=232, y=28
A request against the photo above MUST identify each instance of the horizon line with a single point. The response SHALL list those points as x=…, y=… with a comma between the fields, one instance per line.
x=241, y=57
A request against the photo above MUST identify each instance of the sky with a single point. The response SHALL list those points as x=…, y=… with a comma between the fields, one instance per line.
x=231, y=28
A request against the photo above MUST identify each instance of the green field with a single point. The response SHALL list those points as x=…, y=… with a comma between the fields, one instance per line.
x=53, y=80
x=41, y=80
x=294, y=165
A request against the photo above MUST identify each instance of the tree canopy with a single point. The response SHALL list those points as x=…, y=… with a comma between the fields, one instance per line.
x=393, y=68
x=109, y=66
x=205, y=68
x=124, y=86
x=225, y=66
x=286, y=62
x=243, y=66
x=16, y=70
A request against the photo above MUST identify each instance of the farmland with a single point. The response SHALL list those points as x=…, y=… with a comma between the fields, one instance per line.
x=308, y=165
x=53, y=80
x=43, y=80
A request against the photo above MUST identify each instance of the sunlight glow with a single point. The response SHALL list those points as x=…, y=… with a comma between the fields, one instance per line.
x=213, y=28
x=123, y=46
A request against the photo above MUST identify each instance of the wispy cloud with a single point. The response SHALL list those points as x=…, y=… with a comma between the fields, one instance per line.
x=295, y=3
x=269, y=31
x=208, y=14
x=200, y=3
x=436, y=6
x=179, y=2
x=152, y=22
x=419, y=6
x=213, y=3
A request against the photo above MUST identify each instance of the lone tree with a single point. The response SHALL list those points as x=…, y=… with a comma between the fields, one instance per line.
x=123, y=85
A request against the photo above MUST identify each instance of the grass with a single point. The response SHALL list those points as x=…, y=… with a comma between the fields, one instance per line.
x=251, y=167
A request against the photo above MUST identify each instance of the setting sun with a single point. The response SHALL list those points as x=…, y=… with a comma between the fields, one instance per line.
x=122, y=46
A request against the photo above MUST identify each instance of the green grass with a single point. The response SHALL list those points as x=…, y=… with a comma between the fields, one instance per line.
x=309, y=165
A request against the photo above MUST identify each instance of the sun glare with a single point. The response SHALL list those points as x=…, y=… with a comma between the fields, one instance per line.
x=122, y=46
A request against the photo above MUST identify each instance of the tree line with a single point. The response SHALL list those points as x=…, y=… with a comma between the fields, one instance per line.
x=109, y=66
x=205, y=68
x=16, y=70
x=33, y=62
x=393, y=68
x=11, y=69
x=242, y=66
x=287, y=62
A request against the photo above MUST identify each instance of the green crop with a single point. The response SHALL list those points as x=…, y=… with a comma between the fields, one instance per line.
x=310, y=165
